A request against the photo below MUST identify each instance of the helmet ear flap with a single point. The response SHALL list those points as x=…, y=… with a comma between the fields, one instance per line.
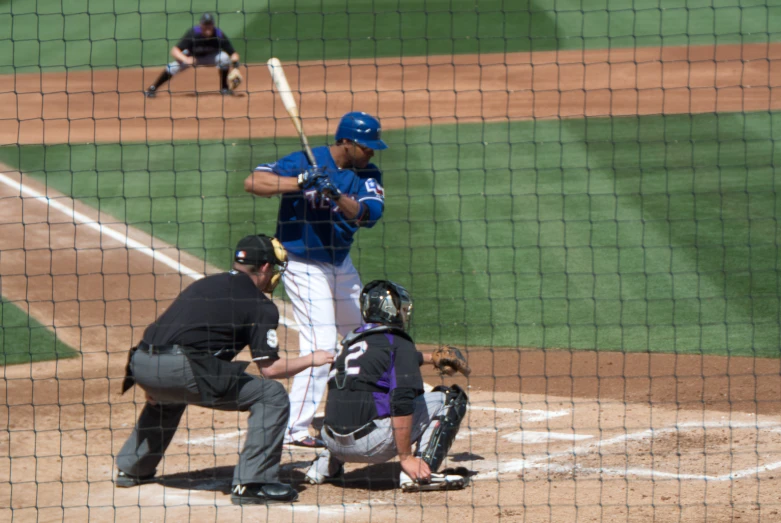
x=280, y=253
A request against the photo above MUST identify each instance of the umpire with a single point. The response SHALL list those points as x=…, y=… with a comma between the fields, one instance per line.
x=185, y=359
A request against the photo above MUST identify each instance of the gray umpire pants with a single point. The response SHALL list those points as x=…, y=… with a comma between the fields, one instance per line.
x=168, y=379
x=379, y=446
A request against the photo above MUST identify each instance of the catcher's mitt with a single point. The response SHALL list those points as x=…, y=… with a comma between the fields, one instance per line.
x=449, y=360
x=235, y=78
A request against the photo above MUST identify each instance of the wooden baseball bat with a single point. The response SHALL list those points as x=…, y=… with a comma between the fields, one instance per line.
x=283, y=88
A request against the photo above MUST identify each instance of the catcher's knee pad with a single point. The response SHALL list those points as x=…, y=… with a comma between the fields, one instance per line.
x=447, y=425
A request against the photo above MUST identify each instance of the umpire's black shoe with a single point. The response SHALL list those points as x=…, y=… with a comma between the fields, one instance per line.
x=226, y=92
x=263, y=493
x=126, y=480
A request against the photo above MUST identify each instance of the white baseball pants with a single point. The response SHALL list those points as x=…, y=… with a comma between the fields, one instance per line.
x=326, y=304
x=221, y=60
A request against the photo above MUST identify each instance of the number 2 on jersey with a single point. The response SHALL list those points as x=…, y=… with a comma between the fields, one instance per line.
x=352, y=367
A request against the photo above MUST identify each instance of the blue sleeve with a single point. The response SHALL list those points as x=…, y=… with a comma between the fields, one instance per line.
x=291, y=165
x=371, y=196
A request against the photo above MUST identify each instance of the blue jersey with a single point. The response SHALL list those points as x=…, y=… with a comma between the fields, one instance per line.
x=313, y=227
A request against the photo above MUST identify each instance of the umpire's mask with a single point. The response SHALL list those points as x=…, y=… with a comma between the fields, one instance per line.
x=257, y=250
x=387, y=303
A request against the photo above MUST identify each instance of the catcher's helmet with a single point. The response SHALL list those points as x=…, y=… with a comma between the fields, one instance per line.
x=207, y=19
x=361, y=128
x=387, y=303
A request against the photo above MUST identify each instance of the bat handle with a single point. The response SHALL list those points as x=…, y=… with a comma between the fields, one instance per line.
x=308, y=151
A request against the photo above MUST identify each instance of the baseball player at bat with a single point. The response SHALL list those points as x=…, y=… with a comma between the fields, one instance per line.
x=377, y=408
x=203, y=45
x=320, y=211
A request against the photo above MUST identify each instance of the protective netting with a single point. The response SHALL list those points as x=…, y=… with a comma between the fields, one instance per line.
x=579, y=195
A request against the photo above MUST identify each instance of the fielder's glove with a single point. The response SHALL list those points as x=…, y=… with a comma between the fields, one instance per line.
x=308, y=178
x=235, y=78
x=326, y=188
x=448, y=360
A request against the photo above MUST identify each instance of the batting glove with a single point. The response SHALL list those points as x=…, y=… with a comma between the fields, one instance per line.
x=308, y=178
x=325, y=187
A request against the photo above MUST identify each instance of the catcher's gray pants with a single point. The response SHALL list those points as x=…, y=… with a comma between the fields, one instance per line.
x=379, y=446
x=221, y=60
x=168, y=379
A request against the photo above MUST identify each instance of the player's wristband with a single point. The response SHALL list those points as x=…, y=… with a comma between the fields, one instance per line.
x=363, y=214
x=236, y=64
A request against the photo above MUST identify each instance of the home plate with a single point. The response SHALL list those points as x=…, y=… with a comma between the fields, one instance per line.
x=530, y=437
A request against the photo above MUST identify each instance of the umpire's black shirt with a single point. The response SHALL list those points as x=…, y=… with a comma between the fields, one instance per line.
x=220, y=314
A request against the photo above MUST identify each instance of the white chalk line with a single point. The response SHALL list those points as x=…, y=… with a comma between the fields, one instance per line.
x=543, y=461
x=206, y=498
x=112, y=233
x=527, y=415
x=530, y=437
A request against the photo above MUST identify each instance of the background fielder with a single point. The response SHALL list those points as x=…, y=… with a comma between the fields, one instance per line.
x=319, y=214
x=202, y=45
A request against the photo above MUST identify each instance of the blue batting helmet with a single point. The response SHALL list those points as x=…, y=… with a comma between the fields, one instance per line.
x=361, y=128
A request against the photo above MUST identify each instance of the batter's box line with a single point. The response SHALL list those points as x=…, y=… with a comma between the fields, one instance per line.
x=527, y=415
x=535, y=462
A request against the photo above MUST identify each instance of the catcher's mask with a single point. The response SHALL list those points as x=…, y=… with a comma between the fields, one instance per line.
x=257, y=250
x=387, y=303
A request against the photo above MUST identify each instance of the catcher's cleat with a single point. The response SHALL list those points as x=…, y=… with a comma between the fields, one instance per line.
x=226, y=92
x=263, y=494
x=315, y=478
x=126, y=480
x=437, y=482
x=151, y=92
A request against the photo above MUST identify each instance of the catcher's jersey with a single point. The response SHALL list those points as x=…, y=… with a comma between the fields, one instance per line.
x=197, y=44
x=386, y=361
x=312, y=227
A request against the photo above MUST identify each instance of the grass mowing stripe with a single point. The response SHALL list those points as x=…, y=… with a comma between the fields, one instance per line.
x=650, y=233
x=24, y=340
x=75, y=34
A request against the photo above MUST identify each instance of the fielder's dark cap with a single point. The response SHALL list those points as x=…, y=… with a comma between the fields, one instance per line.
x=207, y=19
x=255, y=250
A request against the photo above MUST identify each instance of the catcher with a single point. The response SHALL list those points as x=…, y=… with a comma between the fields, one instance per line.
x=205, y=44
x=376, y=407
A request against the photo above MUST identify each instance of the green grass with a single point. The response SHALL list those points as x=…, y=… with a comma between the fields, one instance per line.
x=652, y=233
x=57, y=34
x=23, y=340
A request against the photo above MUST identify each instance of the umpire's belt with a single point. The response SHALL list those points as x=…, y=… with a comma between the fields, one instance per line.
x=161, y=349
x=351, y=437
